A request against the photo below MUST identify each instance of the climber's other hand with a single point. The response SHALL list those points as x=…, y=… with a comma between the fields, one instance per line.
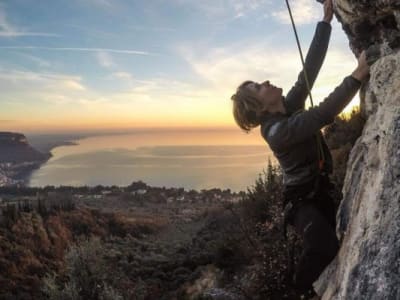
x=362, y=71
x=328, y=11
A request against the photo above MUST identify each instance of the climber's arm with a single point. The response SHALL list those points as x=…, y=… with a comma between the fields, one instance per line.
x=297, y=95
x=301, y=126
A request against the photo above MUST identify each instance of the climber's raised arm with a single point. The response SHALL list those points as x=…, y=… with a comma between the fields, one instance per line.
x=297, y=95
x=301, y=126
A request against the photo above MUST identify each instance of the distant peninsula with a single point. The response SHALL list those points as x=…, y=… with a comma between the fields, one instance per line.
x=19, y=158
x=47, y=142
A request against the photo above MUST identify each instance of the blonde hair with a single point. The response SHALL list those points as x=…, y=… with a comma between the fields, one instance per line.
x=246, y=107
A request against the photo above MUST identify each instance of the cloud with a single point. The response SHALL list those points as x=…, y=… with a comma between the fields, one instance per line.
x=102, y=3
x=225, y=68
x=71, y=84
x=304, y=12
x=225, y=9
x=156, y=29
x=4, y=25
x=105, y=59
x=16, y=82
x=242, y=8
x=13, y=75
x=41, y=62
x=25, y=33
x=105, y=50
x=128, y=80
x=122, y=75
x=9, y=30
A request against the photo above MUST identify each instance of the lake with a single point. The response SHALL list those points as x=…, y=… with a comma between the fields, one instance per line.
x=198, y=160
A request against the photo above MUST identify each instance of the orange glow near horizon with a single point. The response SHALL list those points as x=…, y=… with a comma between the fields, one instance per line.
x=214, y=120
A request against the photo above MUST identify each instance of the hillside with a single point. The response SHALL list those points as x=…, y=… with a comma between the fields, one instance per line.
x=14, y=148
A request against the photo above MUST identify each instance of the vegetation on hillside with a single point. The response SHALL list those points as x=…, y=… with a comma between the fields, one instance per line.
x=341, y=137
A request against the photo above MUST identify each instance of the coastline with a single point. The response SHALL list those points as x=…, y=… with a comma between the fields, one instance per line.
x=19, y=174
x=45, y=143
x=25, y=175
x=59, y=144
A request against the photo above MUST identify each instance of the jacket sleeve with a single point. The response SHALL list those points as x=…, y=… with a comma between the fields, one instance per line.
x=301, y=126
x=297, y=95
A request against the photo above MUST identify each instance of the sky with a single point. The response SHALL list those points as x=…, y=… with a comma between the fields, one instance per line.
x=116, y=64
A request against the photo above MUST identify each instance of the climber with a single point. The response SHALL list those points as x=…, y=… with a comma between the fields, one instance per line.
x=294, y=136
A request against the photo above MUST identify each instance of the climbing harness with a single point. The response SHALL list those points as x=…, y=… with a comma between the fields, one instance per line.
x=320, y=150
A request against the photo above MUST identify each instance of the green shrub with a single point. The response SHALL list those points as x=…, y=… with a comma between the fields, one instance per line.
x=262, y=201
x=341, y=136
x=88, y=276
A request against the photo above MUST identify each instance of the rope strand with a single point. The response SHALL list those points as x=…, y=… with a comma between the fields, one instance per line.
x=301, y=53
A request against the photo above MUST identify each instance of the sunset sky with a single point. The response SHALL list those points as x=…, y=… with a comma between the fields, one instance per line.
x=114, y=64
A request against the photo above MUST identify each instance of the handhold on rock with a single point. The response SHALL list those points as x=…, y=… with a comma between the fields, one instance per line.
x=373, y=53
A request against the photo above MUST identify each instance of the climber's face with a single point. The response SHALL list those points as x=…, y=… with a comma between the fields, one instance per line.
x=269, y=95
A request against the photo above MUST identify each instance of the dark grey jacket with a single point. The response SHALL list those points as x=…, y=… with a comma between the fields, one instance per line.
x=292, y=136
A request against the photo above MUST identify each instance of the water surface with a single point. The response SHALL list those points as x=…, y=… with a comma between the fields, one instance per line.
x=189, y=160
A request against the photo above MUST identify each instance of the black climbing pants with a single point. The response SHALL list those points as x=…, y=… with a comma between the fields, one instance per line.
x=314, y=221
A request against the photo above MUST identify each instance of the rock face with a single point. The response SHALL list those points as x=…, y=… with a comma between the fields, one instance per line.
x=370, y=23
x=368, y=263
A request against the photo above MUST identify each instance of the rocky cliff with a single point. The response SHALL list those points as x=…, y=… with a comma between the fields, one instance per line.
x=14, y=147
x=368, y=263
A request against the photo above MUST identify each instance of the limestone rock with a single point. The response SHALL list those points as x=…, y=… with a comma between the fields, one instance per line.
x=220, y=294
x=369, y=23
x=368, y=263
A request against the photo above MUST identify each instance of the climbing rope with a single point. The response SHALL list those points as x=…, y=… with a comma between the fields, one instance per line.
x=321, y=155
x=301, y=53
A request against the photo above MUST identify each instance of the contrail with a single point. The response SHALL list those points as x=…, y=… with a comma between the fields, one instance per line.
x=79, y=49
x=21, y=33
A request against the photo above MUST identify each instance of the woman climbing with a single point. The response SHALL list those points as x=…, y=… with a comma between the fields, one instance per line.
x=294, y=136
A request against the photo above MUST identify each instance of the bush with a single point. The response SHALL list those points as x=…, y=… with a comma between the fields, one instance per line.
x=88, y=276
x=263, y=200
x=341, y=137
x=253, y=254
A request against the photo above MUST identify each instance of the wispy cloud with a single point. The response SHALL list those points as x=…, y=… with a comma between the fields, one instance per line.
x=102, y=3
x=119, y=51
x=39, y=61
x=29, y=75
x=129, y=80
x=226, y=68
x=74, y=85
x=20, y=82
x=10, y=30
x=4, y=33
x=304, y=12
x=242, y=8
x=122, y=75
x=105, y=59
x=148, y=28
x=225, y=9
x=107, y=6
